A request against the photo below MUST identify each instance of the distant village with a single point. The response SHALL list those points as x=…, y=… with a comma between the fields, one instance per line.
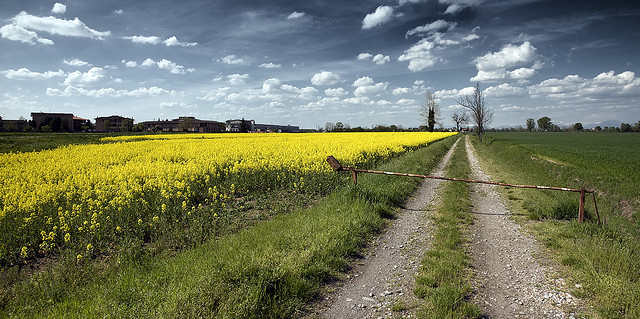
x=67, y=122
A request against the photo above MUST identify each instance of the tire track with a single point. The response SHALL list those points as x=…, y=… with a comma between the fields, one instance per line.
x=386, y=273
x=509, y=281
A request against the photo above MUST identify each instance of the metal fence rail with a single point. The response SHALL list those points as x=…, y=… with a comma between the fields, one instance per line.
x=338, y=167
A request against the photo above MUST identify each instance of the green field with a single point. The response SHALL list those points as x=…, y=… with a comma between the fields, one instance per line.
x=604, y=261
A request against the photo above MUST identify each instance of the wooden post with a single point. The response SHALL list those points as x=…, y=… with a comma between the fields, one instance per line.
x=355, y=177
x=581, y=208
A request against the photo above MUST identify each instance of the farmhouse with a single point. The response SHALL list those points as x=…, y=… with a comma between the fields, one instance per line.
x=58, y=122
x=184, y=124
x=12, y=125
x=277, y=128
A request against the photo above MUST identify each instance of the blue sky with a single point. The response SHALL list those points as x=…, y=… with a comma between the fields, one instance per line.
x=310, y=62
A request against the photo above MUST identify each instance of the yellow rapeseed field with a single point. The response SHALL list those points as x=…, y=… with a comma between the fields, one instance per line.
x=85, y=197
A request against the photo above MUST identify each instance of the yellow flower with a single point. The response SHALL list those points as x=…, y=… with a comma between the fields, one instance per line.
x=24, y=252
x=67, y=237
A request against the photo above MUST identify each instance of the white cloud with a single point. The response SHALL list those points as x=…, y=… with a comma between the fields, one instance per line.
x=454, y=8
x=403, y=2
x=270, y=65
x=144, y=40
x=59, y=8
x=377, y=59
x=364, y=56
x=94, y=75
x=504, y=90
x=16, y=33
x=383, y=14
x=325, y=78
x=335, y=92
x=173, y=41
x=366, y=86
x=271, y=85
x=495, y=65
x=231, y=59
x=109, y=92
x=237, y=79
x=470, y=37
x=295, y=15
x=432, y=27
x=455, y=93
x=380, y=59
x=400, y=91
x=606, y=85
x=118, y=12
x=52, y=25
x=130, y=64
x=172, y=67
x=213, y=95
x=75, y=62
x=26, y=74
x=419, y=55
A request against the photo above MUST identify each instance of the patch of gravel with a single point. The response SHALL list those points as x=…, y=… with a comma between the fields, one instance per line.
x=509, y=281
x=385, y=274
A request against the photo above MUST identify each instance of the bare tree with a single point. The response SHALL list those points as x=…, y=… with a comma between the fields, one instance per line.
x=460, y=119
x=430, y=111
x=481, y=115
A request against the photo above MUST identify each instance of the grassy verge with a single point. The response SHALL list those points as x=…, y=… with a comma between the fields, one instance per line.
x=443, y=279
x=601, y=263
x=271, y=269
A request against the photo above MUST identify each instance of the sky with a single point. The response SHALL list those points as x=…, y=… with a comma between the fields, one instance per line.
x=306, y=63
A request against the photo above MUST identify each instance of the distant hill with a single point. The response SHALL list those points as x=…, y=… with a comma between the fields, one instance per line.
x=614, y=123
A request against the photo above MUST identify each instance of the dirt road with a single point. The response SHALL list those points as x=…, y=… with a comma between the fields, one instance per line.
x=509, y=281
x=385, y=275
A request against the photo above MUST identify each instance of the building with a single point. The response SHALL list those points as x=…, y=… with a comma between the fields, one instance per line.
x=277, y=128
x=114, y=123
x=240, y=126
x=184, y=124
x=53, y=122
x=12, y=125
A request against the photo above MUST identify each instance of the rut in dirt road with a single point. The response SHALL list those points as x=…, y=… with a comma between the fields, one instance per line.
x=509, y=281
x=386, y=274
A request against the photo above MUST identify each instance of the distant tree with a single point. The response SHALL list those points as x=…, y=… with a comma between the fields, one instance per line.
x=138, y=127
x=625, y=127
x=597, y=128
x=578, y=127
x=544, y=123
x=187, y=123
x=636, y=127
x=460, y=119
x=245, y=126
x=328, y=127
x=430, y=111
x=531, y=124
x=481, y=115
x=127, y=125
x=107, y=125
x=339, y=127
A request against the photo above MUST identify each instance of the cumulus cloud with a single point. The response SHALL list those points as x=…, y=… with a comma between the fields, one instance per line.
x=108, y=92
x=606, y=85
x=52, y=25
x=16, y=33
x=336, y=92
x=400, y=91
x=434, y=26
x=455, y=6
x=495, y=65
x=366, y=86
x=237, y=79
x=232, y=59
x=296, y=15
x=377, y=59
x=270, y=65
x=420, y=55
x=172, y=41
x=59, y=8
x=454, y=93
x=94, y=75
x=325, y=78
x=75, y=62
x=26, y=74
x=504, y=90
x=163, y=64
x=383, y=14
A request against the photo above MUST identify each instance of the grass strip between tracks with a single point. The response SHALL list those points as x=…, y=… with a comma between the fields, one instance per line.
x=444, y=277
x=270, y=270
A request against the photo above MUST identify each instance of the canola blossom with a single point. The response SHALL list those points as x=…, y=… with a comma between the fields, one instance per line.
x=85, y=197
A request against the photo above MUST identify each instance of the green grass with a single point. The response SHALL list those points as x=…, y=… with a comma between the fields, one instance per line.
x=273, y=268
x=603, y=260
x=444, y=276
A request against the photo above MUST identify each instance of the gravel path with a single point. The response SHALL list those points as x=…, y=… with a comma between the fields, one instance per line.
x=386, y=273
x=510, y=282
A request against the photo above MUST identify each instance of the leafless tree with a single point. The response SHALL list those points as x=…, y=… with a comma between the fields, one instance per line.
x=460, y=119
x=430, y=111
x=481, y=115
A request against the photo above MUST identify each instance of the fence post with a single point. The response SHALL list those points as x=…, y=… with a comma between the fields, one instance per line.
x=581, y=208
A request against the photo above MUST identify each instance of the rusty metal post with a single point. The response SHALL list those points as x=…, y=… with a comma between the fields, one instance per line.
x=596, y=206
x=581, y=208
